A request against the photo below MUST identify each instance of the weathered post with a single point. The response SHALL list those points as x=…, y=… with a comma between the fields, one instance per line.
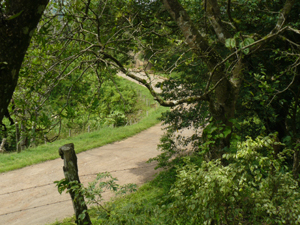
x=2, y=148
x=70, y=168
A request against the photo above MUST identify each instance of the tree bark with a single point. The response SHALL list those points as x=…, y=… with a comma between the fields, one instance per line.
x=296, y=167
x=15, y=37
x=23, y=137
x=2, y=148
x=223, y=100
x=33, y=135
x=18, y=144
x=70, y=168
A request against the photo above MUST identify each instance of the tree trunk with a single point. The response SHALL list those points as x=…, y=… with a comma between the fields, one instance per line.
x=33, y=135
x=222, y=101
x=18, y=145
x=296, y=166
x=70, y=168
x=16, y=33
x=23, y=137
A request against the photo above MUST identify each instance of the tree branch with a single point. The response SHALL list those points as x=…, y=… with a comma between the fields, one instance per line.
x=283, y=15
x=193, y=38
x=214, y=16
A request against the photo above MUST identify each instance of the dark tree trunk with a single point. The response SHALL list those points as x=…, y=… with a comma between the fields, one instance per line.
x=15, y=37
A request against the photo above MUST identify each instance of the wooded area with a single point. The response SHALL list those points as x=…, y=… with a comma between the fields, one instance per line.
x=231, y=69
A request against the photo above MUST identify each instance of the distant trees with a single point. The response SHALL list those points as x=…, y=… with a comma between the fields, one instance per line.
x=64, y=73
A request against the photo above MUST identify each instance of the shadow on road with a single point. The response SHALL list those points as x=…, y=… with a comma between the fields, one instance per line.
x=145, y=171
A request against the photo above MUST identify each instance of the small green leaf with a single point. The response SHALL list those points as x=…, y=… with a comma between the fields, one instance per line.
x=237, y=35
x=227, y=43
x=227, y=131
x=248, y=41
x=233, y=43
x=246, y=51
x=15, y=16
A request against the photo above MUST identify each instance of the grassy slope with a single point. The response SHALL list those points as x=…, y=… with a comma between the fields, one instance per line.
x=83, y=142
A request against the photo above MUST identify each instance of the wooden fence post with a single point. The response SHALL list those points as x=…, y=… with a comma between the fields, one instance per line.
x=70, y=168
x=2, y=148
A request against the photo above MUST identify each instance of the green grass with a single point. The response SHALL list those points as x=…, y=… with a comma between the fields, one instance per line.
x=85, y=141
x=136, y=208
x=82, y=142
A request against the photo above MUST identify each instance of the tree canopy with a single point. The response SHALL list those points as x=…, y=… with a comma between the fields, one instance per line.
x=231, y=75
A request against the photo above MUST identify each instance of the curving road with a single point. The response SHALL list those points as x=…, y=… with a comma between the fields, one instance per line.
x=29, y=197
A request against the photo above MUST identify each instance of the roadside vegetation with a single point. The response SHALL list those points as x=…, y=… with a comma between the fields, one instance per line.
x=143, y=116
x=231, y=71
x=253, y=188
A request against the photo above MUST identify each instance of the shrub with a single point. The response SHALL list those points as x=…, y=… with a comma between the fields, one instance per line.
x=254, y=188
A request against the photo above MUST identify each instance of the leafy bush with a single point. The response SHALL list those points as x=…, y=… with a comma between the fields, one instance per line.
x=116, y=119
x=254, y=188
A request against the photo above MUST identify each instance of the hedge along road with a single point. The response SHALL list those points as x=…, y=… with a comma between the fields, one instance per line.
x=29, y=196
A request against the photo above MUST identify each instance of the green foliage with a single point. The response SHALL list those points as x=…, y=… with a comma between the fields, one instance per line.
x=116, y=119
x=93, y=193
x=62, y=87
x=250, y=182
x=254, y=188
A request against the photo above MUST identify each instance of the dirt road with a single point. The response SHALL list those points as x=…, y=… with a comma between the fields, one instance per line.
x=29, y=197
